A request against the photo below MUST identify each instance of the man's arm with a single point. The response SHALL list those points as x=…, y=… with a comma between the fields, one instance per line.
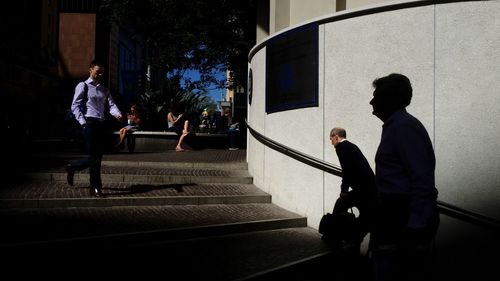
x=345, y=163
x=418, y=157
x=78, y=101
x=113, y=108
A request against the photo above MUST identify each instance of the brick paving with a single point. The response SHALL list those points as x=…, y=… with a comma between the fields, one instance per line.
x=64, y=223
x=181, y=231
x=41, y=190
x=135, y=206
x=45, y=176
x=192, y=156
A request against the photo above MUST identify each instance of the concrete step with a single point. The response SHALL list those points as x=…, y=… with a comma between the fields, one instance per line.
x=121, y=225
x=190, y=216
x=232, y=256
x=200, y=159
x=156, y=143
x=148, y=175
x=345, y=264
x=229, y=257
x=208, y=156
x=124, y=161
x=37, y=194
x=229, y=160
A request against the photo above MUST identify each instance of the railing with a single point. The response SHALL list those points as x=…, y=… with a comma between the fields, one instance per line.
x=297, y=155
x=444, y=208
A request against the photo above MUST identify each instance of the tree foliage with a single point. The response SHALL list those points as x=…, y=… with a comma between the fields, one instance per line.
x=156, y=103
x=209, y=36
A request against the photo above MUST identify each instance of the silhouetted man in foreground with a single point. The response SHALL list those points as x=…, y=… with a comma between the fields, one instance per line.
x=407, y=218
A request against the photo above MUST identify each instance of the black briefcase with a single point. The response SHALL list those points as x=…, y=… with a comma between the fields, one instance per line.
x=341, y=225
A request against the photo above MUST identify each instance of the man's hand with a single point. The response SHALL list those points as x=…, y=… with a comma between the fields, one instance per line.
x=119, y=117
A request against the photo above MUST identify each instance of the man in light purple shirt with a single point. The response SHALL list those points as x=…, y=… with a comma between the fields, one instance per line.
x=90, y=102
x=407, y=215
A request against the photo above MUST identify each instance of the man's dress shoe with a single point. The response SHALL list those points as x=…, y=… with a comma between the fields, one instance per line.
x=96, y=192
x=70, y=174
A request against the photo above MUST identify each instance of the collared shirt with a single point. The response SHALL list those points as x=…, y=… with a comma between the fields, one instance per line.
x=97, y=97
x=405, y=165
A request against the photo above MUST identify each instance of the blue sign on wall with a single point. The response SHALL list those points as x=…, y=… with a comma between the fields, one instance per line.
x=292, y=69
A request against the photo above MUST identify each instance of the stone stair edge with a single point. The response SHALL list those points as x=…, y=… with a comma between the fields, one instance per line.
x=246, y=268
x=165, y=234
x=143, y=179
x=186, y=164
x=133, y=201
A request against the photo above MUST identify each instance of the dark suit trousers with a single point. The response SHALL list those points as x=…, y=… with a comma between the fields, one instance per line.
x=94, y=135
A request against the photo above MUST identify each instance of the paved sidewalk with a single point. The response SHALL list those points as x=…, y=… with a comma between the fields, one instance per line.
x=192, y=156
x=180, y=166
x=40, y=160
x=179, y=231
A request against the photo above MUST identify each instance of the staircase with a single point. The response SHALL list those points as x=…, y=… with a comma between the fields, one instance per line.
x=194, y=215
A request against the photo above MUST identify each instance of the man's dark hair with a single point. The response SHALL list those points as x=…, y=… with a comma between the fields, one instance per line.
x=95, y=62
x=396, y=88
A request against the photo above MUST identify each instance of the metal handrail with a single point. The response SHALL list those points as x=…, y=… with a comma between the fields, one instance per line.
x=444, y=208
x=295, y=154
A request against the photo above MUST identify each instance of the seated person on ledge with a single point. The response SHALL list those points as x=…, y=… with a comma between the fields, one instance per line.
x=133, y=122
x=230, y=126
x=179, y=122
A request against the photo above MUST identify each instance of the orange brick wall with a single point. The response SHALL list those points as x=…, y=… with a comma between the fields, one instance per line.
x=77, y=33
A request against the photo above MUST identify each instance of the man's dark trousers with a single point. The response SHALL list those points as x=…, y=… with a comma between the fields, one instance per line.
x=94, y=135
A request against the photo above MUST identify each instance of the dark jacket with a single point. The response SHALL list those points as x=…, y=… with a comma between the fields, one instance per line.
x=356, y=171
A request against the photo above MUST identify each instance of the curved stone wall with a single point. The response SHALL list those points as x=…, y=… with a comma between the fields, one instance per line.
x=450, y=52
